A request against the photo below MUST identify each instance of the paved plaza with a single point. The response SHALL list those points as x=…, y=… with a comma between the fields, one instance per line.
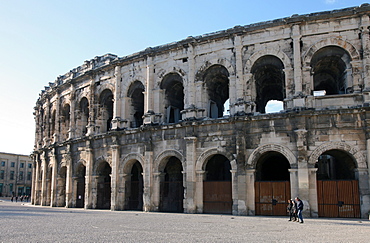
x=22, y=222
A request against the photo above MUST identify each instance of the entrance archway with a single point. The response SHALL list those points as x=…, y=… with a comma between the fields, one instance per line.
x=172, y=189
x=80, y=195
x=272, y=186
x=103, y=186
x=337, y=189
x=217, y=193
x=135, y=188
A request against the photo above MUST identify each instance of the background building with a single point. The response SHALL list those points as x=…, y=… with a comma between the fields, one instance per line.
x=15, y=174
x=149, y=131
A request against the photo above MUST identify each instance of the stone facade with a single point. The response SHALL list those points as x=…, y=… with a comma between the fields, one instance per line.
x=149, y=131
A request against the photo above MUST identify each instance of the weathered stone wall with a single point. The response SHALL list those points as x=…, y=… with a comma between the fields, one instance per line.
x=166, y=103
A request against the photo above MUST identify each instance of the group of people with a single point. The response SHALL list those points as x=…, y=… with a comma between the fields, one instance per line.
x=21, y=198
x=295, y=208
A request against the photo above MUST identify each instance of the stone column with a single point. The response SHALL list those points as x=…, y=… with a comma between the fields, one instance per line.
x=35, y=200
x=56, y=134
x=147, y=177
x=190, y=178
x=92, y=109
x=43, y=182
x=293, y=182
x=365, y=41
x=69, y=185
x=234, y=191
x=303, y=172
x=189, y=88
x=156, y=194
x=115, y=178
x=72, y=125
x=250, y=181
x=149, y=115
x=88, y=176
x=94, y=190
x=199, y=191
x=116, y=122
x=362, y=175
x=54, y=175
x=314, y=206
x=296, y=36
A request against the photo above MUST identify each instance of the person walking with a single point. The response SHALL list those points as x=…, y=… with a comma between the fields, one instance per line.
x=291, y=210
x=299, y=209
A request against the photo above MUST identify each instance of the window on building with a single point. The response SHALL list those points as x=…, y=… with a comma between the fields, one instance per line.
x=29, y=176
x=12, y=164
x=29, y=166
x=20, y=175
x=11, y=175
x=21, y=165
x=2, y=163
x=2, y=175
x=11, y=188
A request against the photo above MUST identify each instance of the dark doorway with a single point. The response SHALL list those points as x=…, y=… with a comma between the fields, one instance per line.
x=135, y=188
x=80, y=194
x=272, y=186
x=172, y=189
x=103, y=186
x=217, y=195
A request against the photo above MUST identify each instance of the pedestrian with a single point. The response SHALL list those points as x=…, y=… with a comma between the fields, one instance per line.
x=16, y=198
x=11, y=199
x=291, y=210
x=299, y=209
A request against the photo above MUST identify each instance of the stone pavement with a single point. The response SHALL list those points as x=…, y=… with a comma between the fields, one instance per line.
x=22, y=222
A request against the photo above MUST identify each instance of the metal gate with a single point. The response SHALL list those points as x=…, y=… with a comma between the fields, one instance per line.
x=338, y=199
x=217, y=197
x=271, y=197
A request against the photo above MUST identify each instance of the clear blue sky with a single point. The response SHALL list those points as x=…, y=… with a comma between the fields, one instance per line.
x=42, y=39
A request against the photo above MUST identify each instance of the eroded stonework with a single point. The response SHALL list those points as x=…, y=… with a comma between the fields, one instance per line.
x=151, y=132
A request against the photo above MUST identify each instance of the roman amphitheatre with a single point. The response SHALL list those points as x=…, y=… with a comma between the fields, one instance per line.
x=183, y=127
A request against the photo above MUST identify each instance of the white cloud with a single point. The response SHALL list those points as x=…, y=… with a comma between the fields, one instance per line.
x=330, y=1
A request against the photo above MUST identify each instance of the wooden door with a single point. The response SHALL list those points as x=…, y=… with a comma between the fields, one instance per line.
x=338, y=199
x=217, y=197
x=271, y=197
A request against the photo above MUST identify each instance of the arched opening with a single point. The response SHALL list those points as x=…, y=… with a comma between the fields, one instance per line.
x=103, y=186
x=136, y=93
x=135, y=188
x=172, y=85
x=216, y=80
x=269, y=77
x=106, y=110
x=80, y=180
x=272, y=186
x=274, y=106
x=84, y=115
x=61, y=187
x=65, y=119
x=337, y=187
x=172, y=189
x=217, y=194
x=329, y=67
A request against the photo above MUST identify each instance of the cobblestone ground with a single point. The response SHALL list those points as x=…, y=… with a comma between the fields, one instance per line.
x=21, y=222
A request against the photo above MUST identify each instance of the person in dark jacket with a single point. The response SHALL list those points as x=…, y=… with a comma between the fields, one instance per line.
x=299, y=209
x=291, y=210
